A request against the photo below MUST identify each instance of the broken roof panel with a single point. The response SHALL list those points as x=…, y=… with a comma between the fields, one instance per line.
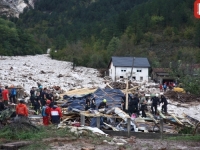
x=113, y=97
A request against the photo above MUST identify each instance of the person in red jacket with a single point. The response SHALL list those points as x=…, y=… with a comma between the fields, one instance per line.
x=56, y=114
x=46, y=110
x=21, y=109
x=5, y=95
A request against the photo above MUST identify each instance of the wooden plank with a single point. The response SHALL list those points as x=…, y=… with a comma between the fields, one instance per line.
x=126, y=107
x=114, y=129
x=161, y=114
x=109, y=85
x=79, y=91
x=177, y=120
x=151, y=116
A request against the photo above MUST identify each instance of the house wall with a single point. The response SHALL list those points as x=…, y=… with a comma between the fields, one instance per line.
x=112, y=71
x=124, y=72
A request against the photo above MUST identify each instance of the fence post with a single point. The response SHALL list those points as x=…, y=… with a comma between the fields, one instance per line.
x=129, y=126
x=98, y=122
x=161, y=128
x=82, y=120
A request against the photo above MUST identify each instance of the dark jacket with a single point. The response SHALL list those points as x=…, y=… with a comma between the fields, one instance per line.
x=155, y=100
x=2, y=106
x=102, y=105
x=164, y=100
x=56, y=114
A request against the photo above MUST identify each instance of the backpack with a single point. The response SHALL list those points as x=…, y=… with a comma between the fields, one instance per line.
x=13, y=92
x=43, y=111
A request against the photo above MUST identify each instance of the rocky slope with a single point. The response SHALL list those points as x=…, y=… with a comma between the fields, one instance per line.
x=14, y=7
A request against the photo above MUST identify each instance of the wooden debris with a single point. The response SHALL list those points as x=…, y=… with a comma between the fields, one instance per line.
x=193, y=121
x=161, y=114
x=79, y=91
x=151, y=116
x=109, y=85
x=114, y=129
x=121, y=113
x=15, y=145
x=87, y=148
x=177, y=120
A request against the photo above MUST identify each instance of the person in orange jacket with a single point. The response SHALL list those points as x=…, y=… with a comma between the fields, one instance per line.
x=21, y=109
x=56, y=114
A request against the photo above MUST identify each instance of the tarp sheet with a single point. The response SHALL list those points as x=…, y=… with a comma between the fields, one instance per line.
x=113, y=97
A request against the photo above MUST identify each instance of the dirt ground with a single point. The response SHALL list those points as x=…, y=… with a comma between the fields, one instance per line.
x=137, y=144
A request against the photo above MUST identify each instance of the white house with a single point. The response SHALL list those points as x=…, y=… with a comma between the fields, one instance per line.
x=120, y=67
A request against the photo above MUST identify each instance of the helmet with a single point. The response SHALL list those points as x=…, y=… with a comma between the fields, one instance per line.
x=21, y=100
x=104, y=100
x=48, y=102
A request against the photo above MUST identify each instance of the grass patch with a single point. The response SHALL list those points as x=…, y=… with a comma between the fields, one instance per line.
x=37, y=135
x=26, y=132
x=195, y=138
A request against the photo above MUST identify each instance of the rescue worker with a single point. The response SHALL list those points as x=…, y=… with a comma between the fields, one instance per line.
x=142, y=98
x=46, y=113
x=143, y=103
x=32, y=93
x=56, y=114
x=93, y=103
x=103, y=104
x=21, y=109
x=133, y=105
x=87, y=103
x=37, y=103
x=164, y=103
x=5, y=96
x=155, y=101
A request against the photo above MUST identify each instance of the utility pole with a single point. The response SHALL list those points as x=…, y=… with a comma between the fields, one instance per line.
x=132, y=69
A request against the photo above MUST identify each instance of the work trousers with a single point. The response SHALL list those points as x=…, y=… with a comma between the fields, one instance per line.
x=13, y=99
x=143, y=111
x=164, y=108
x=46, y=120
x=154, y=109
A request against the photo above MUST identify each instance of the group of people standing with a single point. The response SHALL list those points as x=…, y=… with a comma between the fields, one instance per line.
x=43, y=101
x=137, y=104
x=8, y=94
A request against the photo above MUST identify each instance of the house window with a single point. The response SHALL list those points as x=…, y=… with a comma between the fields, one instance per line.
x=141, y=78
x=139, y=70
x=121, y=77
x=123, y=70
x=133, y=78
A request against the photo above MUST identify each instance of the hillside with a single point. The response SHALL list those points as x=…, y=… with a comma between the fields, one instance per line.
x=88, y=32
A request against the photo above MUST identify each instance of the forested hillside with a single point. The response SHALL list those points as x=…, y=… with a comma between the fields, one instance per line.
x=88, y=32
x=16, y=41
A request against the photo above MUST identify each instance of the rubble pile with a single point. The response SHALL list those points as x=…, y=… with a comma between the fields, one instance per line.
x=181, y=97
x=75, y=105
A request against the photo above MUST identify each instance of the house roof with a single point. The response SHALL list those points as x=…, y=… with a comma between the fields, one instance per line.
x=128, y=62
